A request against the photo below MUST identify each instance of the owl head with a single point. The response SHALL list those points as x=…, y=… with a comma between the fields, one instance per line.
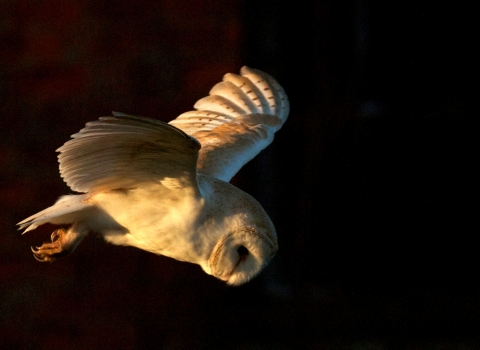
x=241, y=254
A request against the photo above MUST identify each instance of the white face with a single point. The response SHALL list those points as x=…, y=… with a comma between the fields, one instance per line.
x=240, y=255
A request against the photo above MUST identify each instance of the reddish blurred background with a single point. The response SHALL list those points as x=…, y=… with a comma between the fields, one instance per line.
x=372, y=183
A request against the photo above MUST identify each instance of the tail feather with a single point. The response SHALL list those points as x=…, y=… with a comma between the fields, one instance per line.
x=65, y=211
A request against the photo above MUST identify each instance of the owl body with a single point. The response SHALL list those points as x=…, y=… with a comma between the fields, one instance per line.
x=156, y=219
x=180, y=224
x=164, y=188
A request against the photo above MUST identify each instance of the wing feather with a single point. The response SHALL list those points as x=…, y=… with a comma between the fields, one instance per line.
x=219, y=104
x=251, y=90
x=236, y=121
x=272, y=90
x=232, y=92
x=122, y=151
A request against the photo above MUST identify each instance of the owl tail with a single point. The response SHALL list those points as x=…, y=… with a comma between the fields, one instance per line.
x=68, y=209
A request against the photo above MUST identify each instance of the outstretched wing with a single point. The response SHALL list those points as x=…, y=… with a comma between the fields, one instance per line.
x=236, y=121
x=123, y=151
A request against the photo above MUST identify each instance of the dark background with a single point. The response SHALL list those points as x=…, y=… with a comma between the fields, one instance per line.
x=372, y=183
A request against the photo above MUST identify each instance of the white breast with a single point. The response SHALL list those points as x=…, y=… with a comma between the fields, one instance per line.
x=158, y=220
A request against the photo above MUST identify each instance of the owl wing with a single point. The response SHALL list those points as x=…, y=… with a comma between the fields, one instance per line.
x=236, y=121
x=123, y=151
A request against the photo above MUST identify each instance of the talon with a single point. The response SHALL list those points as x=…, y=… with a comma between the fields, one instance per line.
x=42, y=258
x=61, y=245
x=37, y=258
x=56, y=234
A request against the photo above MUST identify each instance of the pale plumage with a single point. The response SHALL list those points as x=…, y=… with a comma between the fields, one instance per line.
x=164, y=188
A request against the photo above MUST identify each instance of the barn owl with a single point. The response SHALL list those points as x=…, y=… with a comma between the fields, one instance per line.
x=164, y=188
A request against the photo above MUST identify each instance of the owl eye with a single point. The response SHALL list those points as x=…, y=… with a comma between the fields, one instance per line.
x=242, y=252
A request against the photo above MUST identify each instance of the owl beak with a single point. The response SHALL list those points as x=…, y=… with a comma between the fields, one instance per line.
x=206, y=267
x=225, y=278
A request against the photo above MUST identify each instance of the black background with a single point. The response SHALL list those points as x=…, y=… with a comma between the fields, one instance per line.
x=372, y=183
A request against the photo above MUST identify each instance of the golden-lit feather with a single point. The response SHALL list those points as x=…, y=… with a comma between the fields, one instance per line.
x=164, y=187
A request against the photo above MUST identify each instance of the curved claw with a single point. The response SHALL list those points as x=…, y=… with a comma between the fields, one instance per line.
x=38, y=258
x=61, y=245
x=57, y=234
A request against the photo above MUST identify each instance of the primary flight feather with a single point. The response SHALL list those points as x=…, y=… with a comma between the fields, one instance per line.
x=164, y=188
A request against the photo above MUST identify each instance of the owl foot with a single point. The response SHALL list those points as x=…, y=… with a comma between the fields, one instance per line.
x=59, y=247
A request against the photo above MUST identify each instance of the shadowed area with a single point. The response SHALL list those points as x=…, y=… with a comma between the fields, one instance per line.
x=372, y=183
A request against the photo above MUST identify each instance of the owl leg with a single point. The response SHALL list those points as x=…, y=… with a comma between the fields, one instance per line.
x=63, y=243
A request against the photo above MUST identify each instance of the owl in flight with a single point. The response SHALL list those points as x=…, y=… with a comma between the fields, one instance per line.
x=164, y=188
